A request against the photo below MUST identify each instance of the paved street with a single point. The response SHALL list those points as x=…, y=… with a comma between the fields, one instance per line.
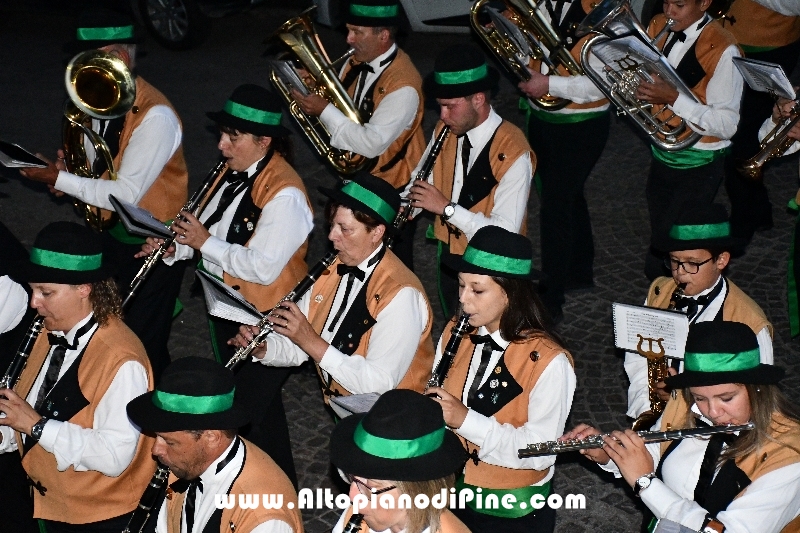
x=197, y=81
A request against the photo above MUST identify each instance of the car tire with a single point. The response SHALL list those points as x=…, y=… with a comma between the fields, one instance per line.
x=175, y=24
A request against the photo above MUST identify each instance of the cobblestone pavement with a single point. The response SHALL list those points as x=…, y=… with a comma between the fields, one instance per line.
x=200, y=80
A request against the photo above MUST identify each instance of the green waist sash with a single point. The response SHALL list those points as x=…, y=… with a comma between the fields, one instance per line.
x=688, y=157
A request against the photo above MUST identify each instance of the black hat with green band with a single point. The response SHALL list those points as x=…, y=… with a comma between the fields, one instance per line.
x=195, y=393
x=720, y=352
x=99, y=27
x=66, y=253
x=700, y=227
x=495, y=251
x=370, y=195
x=402, y=438
x=460, y=71
x=373, y=13
x=252, y=109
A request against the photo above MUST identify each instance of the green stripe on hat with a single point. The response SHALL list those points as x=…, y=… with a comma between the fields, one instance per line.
x=397, y=449
x=78, y=263
x=193, y=405
x=113, y=33
x=371, y=200
x=252, y=114
x=498, y=263
x=373, y=11
x=721, y=362
x=462, y=76
x=700, y=231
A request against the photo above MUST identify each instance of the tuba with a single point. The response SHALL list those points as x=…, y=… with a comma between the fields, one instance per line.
x=774, y=145
x=100, y=86
x=614, y=18
x=523, y=36
x=299, y=35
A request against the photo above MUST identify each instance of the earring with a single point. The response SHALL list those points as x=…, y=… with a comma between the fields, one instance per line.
x=758, y=389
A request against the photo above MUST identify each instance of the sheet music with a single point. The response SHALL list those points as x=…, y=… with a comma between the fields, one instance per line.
x=345, y=406
x=15, y=156
x=668, y=526
x=224, y=302
x=637, y=323
x=765, y=77
x=139, y=221
x=288, y=75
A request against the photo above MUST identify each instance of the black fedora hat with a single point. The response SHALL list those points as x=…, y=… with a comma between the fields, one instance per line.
x=495, y=251
x=700, y=227
x=368, y=194
x=723, y=352
x=64, y=252
x=100, y=26
x=402, y=438
x=459, y=71
x=194, y=394
x=252, y=109
x=373, y=13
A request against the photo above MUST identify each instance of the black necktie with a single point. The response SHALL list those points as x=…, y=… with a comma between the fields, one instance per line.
x=710, y=459
x=355, y=70
x=354, y=272
x=466, y=146
x=233, y=185
x=57, y=360
x=676, y=36
x=191, y=497
x=489, y=345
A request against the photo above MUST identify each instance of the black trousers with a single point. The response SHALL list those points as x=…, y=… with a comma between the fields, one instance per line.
x=669, y=191
x=112, y=525
x=16, y=503
x=150, y=313
x=540, y=521
x=566, y=154
x=750, y=205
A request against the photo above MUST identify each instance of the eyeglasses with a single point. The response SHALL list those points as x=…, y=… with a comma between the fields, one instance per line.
x=362, y=487
x=690, y=267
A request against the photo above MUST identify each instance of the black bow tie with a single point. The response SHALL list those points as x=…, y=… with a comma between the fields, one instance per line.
x=236, y=178
x=361, y=67
x=484, y=339
x=343, y=270
x=57, y=340
x=181, y=485
x=679, y=35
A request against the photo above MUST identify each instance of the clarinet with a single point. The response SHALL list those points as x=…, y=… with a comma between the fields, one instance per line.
x=148, y=500
x=404, y=214
x=9, y=380
x=294, y=295
x=596, y=441
x=354, y=524
x=458, y=331
x=156, y=255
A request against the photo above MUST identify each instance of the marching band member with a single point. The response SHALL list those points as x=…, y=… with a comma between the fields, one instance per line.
x=253, y=235
x=207, y=458
x=510, y=384
x=366, y=322
x=86, y=461
x=698, y=248
x=483, y=174
x=424, y=464
x=733, y=483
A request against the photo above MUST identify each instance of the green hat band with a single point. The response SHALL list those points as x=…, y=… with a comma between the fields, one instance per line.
x=397, y=449
x=700, y=231
x=114, y=33
x=373, y=11
x=461, y=76
x=498, y=263
x=80, y=263
x=721, y=362
x=371, y=200
x=193, y=405
x=252, y=114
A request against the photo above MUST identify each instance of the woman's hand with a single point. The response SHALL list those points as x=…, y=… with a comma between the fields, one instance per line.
x=151, y=245
x=454, y=411
x=628, y=451
x=243, y=338
x=290, y=322
x=582, y=431
x=190, y=231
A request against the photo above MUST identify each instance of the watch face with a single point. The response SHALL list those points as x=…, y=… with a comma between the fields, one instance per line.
x=449, y=210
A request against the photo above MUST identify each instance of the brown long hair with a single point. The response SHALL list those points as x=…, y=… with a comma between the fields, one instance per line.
x=525, y=316
x=105, y=300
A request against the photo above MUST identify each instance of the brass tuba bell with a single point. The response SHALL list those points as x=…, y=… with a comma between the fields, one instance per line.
x=100, y=86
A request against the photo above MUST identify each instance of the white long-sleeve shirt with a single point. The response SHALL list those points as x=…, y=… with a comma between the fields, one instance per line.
x=109, y=445
x=767, y=127
x=13, y=303
x=784, y=7
x=393, y=341
x=152, y=144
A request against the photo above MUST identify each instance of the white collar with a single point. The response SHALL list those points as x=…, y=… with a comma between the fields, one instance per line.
x=70, y=335
x=376, y=63
x=708, y=290
x=496, y=337
x=480, y=134
x=364, y=265
x=210, y=473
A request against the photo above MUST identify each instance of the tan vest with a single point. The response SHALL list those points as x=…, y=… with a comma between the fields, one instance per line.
x=448, y=523
x=737, y=307
x=509, y=144
x=711, y=43
x=387, y=279
x=759, y=26
x=525, y=361
x=89, y=496
x=260, y=476
x=277, y=175
x=400, y=73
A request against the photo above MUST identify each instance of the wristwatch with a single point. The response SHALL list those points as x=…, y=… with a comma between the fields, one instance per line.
x=642, y=483
x=449, y=210
x=36, y=430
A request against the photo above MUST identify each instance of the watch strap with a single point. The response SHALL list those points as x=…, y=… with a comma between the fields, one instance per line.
x=37, y=429
x=637, y=488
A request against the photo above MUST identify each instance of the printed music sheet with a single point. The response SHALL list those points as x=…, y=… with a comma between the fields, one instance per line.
x=345, y=406
x=638, y=327
x=765, y=77
x=224, y=302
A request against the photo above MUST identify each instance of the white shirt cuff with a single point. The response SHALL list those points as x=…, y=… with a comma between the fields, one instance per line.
x=475, y=427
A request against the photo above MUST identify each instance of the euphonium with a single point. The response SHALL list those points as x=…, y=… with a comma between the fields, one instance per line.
x=774, y=145
x=100, y=86
x=299, y=35
x=515, y=49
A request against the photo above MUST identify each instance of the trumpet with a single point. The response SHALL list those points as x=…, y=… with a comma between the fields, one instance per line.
x=773, y=145
x=596, y=441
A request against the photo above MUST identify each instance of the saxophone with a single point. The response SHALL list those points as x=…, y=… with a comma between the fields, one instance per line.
x=10, y=378
x=458, y=331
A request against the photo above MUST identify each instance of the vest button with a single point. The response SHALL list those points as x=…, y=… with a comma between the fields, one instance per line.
x=235, y=287
x=55, y=413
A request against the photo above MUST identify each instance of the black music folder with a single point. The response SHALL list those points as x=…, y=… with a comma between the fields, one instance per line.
x=15, y=156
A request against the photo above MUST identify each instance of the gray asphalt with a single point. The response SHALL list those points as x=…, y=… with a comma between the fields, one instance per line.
x=31, y=99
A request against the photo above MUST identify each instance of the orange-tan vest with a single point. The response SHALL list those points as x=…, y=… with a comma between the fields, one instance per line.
x=277, y=175
x=387, y=279
x=400, y=73
x=711, y=43
x=525, y=361
x=89, y=496
x=737, y=307
x=509, y=144
x=758, y=26
x=448, y=523
x=259, y=475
